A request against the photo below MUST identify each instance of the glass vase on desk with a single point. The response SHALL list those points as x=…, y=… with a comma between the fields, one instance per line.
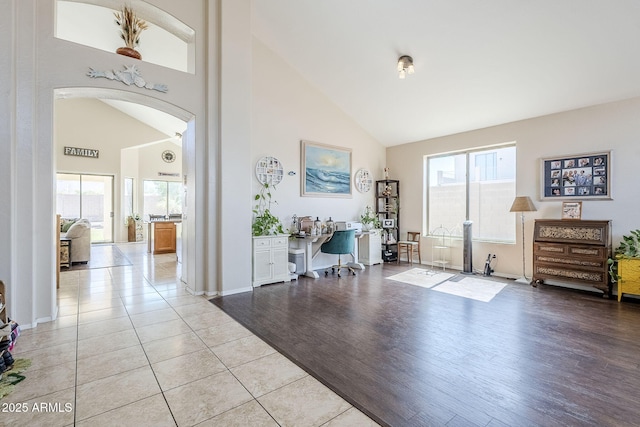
x=330, y=226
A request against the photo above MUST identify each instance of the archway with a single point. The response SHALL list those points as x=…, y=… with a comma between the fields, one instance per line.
x=186, y=136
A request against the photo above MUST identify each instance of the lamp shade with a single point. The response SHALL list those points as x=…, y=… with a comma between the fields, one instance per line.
x=522, y=204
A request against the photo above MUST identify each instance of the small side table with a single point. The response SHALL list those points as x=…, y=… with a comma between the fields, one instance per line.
x=65, y=252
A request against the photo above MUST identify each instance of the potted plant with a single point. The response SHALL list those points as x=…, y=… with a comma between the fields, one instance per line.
x=369, y=219
x=264, y=222
x=627, y=253
x=130, y=29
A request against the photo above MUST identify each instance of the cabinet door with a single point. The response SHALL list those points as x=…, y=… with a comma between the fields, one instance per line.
x=262, y=268
x=280, y=262
x=165, y=238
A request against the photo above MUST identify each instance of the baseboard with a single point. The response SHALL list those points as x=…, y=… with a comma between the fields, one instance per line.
x=235, y=291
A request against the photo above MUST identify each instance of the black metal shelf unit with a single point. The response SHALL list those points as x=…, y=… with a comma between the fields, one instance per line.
x=388, y=210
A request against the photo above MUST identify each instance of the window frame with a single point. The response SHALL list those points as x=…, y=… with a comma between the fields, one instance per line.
x=168, y=184
x=427, y=228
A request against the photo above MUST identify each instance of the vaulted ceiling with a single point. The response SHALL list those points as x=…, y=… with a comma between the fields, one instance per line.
x=478, y=63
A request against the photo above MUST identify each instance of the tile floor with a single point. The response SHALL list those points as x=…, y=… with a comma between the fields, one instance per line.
x=132, y=348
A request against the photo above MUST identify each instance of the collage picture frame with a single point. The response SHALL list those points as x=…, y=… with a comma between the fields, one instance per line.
x=580, y=176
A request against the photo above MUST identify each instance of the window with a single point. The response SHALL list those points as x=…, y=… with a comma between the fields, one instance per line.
x=162, y=198
x=128, y=197
x=485, y=166
x=478, y=185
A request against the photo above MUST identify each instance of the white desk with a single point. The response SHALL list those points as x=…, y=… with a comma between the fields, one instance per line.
x=312, y=249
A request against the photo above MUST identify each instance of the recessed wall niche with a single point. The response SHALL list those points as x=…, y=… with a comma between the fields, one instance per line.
x=167, y=41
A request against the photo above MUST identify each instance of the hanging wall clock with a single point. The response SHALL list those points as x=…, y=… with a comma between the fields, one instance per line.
x=168, y=156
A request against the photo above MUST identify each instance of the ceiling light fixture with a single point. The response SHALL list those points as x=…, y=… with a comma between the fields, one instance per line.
x=405, y=66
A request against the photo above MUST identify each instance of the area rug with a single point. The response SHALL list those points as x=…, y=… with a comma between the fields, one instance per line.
x=13, y=376
x=421, y=277
x=470, y=287
x=103, y=256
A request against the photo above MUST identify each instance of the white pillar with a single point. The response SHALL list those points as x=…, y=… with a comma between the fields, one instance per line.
x=235, y=169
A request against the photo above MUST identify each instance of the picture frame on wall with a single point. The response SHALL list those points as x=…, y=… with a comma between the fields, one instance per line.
x=326, y=170
x=578, y=176
x=571, y=210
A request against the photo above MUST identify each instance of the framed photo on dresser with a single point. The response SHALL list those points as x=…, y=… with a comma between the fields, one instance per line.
x=578, y=176
x=571, y=210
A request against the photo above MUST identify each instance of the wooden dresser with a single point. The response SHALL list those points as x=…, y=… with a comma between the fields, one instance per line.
x=572, y=251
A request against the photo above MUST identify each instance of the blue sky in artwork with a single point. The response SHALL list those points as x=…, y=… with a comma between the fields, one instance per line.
x=326, y=159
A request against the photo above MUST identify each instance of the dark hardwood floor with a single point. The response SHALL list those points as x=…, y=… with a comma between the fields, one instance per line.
x=410, y=356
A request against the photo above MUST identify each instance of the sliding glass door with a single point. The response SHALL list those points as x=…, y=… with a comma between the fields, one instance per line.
x=90, y=197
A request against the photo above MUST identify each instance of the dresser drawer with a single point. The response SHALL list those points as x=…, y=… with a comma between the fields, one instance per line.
x=280, y=241
x=555, y=271
x=570, y=255
x=571, y=250
x=580, y=232
x=262, y=243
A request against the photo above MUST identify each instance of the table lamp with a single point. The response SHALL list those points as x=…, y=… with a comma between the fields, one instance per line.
x=522, y=204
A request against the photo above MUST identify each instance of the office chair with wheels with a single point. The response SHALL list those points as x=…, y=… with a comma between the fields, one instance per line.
x=341, y=243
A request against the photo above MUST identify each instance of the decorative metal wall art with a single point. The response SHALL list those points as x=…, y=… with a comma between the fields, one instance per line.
x=129, y=76
x=269, y=170
x=363, y=180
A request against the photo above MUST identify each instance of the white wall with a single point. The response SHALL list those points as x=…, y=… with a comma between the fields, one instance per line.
x=288, y=109
x=606, y=127
x=90, y=123
x=151, y=163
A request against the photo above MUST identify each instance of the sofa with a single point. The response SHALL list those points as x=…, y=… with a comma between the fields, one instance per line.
x=79, y=231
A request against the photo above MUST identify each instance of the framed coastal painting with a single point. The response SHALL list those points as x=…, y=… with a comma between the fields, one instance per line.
x=326, y=170
x=579, y=176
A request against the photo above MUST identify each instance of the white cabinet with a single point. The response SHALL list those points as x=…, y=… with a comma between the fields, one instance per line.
x=270, y=259
x=370, y=247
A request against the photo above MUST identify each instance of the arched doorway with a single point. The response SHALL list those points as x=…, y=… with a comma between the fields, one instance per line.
x=101, y=109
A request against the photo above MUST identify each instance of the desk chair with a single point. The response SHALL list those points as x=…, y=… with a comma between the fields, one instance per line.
x=410, y=245
x=341, y=243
